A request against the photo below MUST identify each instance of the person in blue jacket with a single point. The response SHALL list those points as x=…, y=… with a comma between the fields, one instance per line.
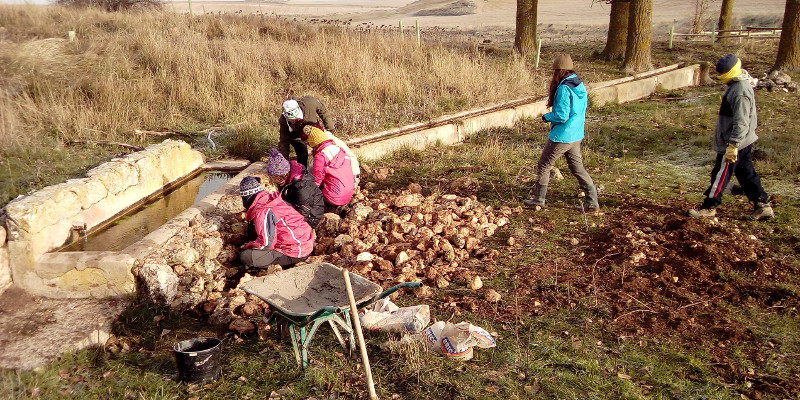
x=568, y=99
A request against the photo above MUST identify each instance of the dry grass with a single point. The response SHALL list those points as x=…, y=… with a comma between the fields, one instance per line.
x=159, y=70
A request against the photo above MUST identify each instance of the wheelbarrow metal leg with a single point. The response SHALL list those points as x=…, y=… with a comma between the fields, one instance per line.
x=350, y=330
x=296, y=339
x=337, y=333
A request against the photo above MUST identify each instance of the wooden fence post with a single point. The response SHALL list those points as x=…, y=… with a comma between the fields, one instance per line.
x=713, y=32
x=538, y=52
x=418, y=40
x=401, y=27
x=671, y=34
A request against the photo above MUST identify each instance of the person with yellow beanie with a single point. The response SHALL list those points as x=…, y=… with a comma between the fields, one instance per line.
x=332, y=169
x=734, y=136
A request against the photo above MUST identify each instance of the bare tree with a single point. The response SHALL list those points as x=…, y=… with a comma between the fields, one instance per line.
x=789, y=46
x=525, y=38
x=637, y=49
x=700, y=15
x=725, y=17
x=617, y=30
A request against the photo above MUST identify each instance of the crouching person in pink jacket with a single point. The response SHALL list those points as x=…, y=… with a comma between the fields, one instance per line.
x=282, y=235
x=332, y=170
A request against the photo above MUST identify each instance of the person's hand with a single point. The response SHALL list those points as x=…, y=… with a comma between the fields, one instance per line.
x=731, y=154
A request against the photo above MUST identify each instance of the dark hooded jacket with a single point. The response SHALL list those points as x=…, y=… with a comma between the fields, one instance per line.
x=303, y=194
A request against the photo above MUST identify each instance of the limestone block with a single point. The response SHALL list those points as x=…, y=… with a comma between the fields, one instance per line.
x=604, y=95
x=32, y=214
x=160, y=284
x=2, y=236
x=116, y=176
x=636, y=90
x=5, y=269
x=679, y=78
x=531, y=110
x=80, y=274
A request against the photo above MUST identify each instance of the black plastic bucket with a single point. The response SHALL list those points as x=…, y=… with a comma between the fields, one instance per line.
x=198, y=359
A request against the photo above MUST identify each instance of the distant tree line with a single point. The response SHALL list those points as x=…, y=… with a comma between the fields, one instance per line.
x=629, y=32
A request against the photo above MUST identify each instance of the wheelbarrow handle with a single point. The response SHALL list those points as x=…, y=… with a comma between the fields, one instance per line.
x=388, y=292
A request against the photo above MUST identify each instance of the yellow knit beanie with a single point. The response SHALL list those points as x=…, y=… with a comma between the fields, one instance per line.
x=315, y=135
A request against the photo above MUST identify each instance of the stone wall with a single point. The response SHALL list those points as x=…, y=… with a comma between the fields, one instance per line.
x=43, y=221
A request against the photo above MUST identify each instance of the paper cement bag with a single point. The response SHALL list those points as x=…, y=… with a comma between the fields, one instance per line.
x=456, y=340
x=386, y=316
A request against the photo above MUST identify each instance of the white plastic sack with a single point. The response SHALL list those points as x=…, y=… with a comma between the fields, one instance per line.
x=456, y=340
x=385, y=315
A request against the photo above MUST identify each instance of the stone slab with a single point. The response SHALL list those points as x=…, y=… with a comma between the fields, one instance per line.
x=36, y=330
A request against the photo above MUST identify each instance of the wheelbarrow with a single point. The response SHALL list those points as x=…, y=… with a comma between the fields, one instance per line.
x=312, y=294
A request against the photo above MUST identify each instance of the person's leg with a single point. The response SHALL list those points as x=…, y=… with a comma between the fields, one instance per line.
x=550, y=153
x=301, y=151
x=720, y=176
x=751, y=185
x=264, y=258
x=333, y=208
x=575, y=164
x=288, y=262
x=748, y=177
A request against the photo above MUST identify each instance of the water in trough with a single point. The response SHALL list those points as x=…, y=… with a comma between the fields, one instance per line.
x=137, y=223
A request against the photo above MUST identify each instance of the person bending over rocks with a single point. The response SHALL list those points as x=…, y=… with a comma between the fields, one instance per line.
x=283, y=237
x=295, y=113
x=332, y=170
x=297, y=187
x=733, y=141
x=568, y=98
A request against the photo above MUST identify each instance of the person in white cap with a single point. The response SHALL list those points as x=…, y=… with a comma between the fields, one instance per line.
x=296, y=113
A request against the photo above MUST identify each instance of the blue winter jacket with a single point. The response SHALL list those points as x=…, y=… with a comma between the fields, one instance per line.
x=569, y=111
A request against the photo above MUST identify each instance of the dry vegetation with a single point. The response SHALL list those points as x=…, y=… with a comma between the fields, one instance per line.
x=161, y=71
x=154, y=70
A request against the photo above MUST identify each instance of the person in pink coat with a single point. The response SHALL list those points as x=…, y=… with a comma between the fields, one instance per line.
x=332, y=170
x=283, y=237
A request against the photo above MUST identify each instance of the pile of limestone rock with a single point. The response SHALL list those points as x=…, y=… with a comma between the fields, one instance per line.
x=777, y=81
x=388, y=238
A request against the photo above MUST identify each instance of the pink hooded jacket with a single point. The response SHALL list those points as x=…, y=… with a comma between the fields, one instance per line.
x=279, y=226
x=333, y=173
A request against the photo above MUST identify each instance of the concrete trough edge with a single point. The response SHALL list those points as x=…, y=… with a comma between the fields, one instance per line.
x=455, y=128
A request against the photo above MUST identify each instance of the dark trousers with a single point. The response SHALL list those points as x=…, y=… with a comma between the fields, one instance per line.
x=338, y=210
x=264, y=258
x=300, y=149
x=745, y=174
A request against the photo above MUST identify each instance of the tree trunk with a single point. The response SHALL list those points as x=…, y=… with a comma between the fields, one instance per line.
x=617, y=31
x=637, y=50
x=525, y=38
x=789, y=46
x=725, y=19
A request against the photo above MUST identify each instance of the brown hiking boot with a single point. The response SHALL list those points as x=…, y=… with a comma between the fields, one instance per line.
x=700, y=212
x=761, y=212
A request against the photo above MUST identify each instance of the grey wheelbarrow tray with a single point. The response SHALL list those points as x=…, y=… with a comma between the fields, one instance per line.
x=309, y=295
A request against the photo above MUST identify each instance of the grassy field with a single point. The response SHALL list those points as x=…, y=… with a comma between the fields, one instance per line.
x=573, y=323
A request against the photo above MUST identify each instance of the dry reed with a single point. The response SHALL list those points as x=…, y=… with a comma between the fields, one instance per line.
x=159, y=70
